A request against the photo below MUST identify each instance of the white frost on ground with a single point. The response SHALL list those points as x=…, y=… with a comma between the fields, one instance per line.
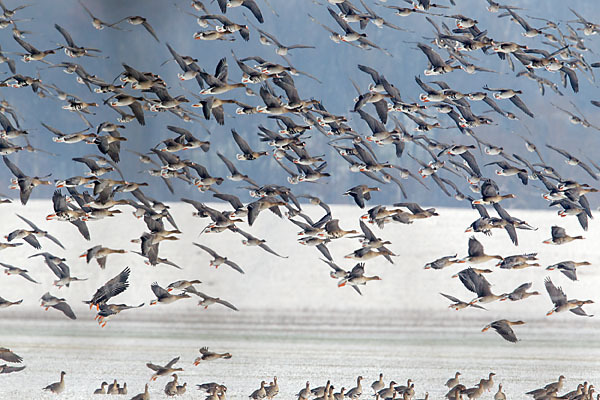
x=293, y=321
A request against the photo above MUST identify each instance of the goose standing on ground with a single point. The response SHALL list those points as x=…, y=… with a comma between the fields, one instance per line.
x=304, y=394
x=113, y=388
x=387, y=392
x=142, y=396
x=321, y=391
x=453, y=381
x=102, y=389
x=552, y=387
x=499, y=394
x=171, y=386
x=273, y=389
x=260, y=393
x=356, y=391
x=488, y=384
x=57, y=387
x=181, y=389
x=378, y=384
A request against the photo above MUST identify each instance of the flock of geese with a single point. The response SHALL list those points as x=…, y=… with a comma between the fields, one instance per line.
x=554, y=54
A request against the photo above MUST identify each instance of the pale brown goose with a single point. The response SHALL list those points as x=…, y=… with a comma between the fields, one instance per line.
x=12, y=270
x=218, y=260
x=101, y=389
x=8, y=355
x=476, y=283
x=138, y=20
x=210, y=356
x=568, y=268
x=142, y=396
x=48, y=301
x=503, y=327
x=559, y=236
x=163, y=296
x=111, y=288
x=24, y=183
x=520, y=293
x=171, y=386
x=453, y=381
x=57, y=387
x=5, y=303
x=208, y=300
x=559, y=298
x=499, y=394
x=459, y=304
x=100, y=253
x=477, y=254
x=356, y=391
x=163, y=370
x=259, y=393
x=378, y=384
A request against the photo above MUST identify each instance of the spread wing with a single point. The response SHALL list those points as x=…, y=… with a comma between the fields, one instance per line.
x=13, y=168
x=234, y=266
x=226, y=304
x=113, y=287
x=172, y=362
x=206, y=249
x=159, y=292
x=556, y=294
x=475, y=247
x=243, y=145
x=66, y=309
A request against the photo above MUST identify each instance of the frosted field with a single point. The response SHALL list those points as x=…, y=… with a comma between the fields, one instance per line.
x=293, y=321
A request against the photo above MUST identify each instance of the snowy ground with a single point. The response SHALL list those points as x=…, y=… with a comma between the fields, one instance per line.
x=293, y=321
